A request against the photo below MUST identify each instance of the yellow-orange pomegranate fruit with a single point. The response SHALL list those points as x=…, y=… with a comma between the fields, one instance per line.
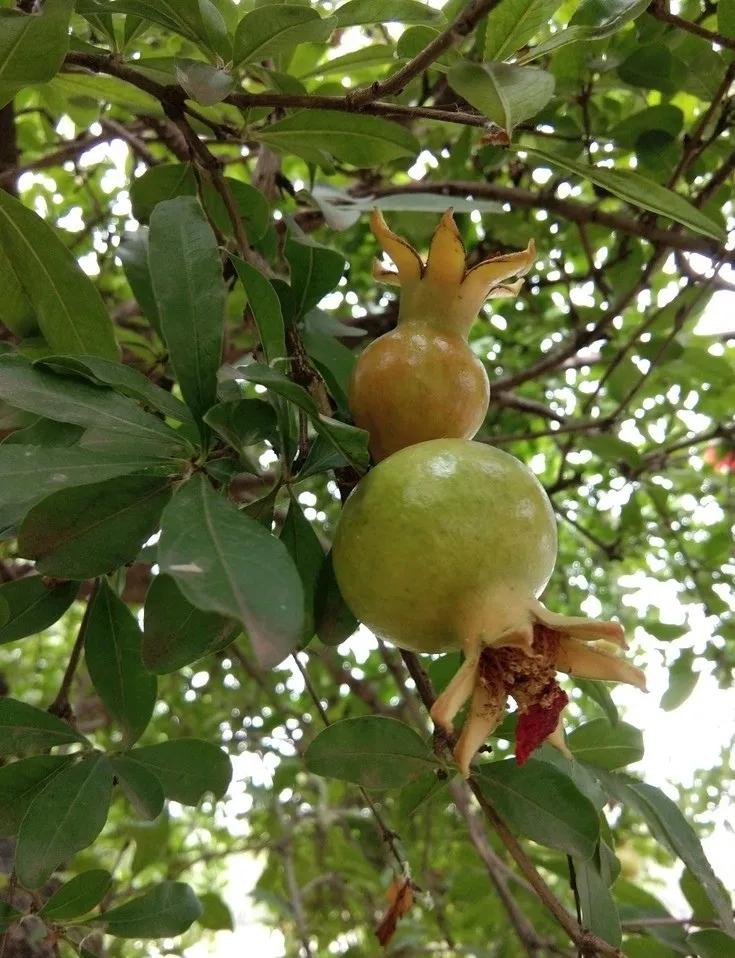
x=421, y=380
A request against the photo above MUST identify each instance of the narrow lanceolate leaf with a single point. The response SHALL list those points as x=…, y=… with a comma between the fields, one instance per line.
x=669, y=826
x=28, y=473
x=93, y=530
x=187, y=281
x=682, y=680
x=32, y=46
x=599, y=911
x=78, y=896
x=373, y=751
x=68, y=308
x=542, y=803
x=158, y=184
x=319, y=135
x=24, y=728
x=124, y=379
x=140, y=786
x=165, y=911
x=133, y=252
x=347, y=440
x=278, y=28
x=19, y=784
x=303, y=544
x=315, y=271
x=358, y=12
x=593, y=20
x=65, y=399
x=513, y=23
x=187, y=768
x=176, y=633
x=507, y=94
x=65, y=817
x=264, y=305
x=638, y=190
x=605, y=745
x=112, y=652
x=225, y=562
x=32, y=606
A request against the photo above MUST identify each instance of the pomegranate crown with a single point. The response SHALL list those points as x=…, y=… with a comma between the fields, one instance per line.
x=445, y=270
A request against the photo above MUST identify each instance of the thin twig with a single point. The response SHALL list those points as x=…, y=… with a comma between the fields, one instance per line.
x=60, y=705
x=659, y=10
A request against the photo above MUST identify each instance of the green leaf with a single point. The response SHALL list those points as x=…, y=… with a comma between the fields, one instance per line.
x=663, y=118
x=507, y=94
x=92, y=530
x=18, y=315
x=605, y=745
x=696, y=896
x=29, y=473
x=64, y=399
x=594, y=20
x=315, y=271
x=65, y=817
x=192, y=19
x=712, y=943
x=202, y=82
x=265, y=307
x=176, y=633
x=600, y=694
x=190, y=292
x=599, y=911
x=24, y=728
x=124, y=379
x=112, y=652
x=243, y=423
x=682, y=681
x=652, y=67
x=303, y=545
x=376, y=54
x=252, y=206
x=187, y=768
x=215, y=915
x=68, y=308
x=513, y=23
x=334, y=361
x=133, y=253
x=419, y=793
x=333, y=620
x=140, y=786
x=77, y=896
x=372, y=751
x=359, y=12
x=225, y=562
x=322, y=457
x=32, y=46
x=726, y=17
x=349, y=441
x=33, y=606
x=318, y=135
x=8, y=915
x=20, y=782
x=278, y=28
x=639, y=191
x=167, y=910
x=542, y=803
x=158, y=184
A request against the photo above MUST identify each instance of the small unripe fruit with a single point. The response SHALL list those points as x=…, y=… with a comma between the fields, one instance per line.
x=421, y=380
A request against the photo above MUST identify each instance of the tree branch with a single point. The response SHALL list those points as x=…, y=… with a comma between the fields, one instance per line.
x=456, y=31
x=60, y=705
x=660, y=11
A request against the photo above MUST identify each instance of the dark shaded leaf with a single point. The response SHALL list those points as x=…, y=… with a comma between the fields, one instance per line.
x=33, y=606
x=65, y=817
x=225, y=562
x=265, y=307
x=304, y=547
x=112, y=652
x=140, y=786
x=92, y=530
x=165, y=911
x=605, y=745
x=78, y=896
x=372, y=751
x=176, y=633
x=19, y=784
x=187, y=768
x=24, y=728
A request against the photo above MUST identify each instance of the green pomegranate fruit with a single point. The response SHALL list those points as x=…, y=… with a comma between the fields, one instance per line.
x=447, y=545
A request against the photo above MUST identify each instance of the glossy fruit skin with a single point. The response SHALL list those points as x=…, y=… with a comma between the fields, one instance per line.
x=416, y=383
x=441, y=539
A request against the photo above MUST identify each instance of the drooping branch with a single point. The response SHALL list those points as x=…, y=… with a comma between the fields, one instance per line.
x=659, y=9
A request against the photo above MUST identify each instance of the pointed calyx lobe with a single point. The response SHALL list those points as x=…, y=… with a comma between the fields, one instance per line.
x=528, y=675
x=444, y=288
